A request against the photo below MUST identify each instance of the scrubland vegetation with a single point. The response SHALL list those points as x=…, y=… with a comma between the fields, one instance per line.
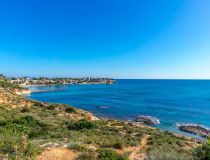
x=6, y=84
x=29, y=128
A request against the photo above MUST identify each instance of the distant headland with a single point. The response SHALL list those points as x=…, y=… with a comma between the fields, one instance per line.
x=25, y=81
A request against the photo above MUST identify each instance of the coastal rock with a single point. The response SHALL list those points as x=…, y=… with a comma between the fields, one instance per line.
x=149, y=120
x=195, y=129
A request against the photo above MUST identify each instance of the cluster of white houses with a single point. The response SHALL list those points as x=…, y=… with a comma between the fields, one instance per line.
x=49, y=81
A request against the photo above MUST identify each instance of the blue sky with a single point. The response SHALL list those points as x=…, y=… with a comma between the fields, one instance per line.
x=114, y=38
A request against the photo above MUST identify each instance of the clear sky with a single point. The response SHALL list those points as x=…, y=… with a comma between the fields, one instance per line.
x=114, y=38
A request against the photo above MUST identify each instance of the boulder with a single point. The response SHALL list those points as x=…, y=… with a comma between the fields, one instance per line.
x=149, y=120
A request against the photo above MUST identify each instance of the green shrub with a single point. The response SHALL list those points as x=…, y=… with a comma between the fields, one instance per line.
x=161, y=153
x=28, y=121
x=5, y=123
x=118, y=145
x=78, y=146
x=37, y=128
x=81, y=124
x=24, y=110
x=15, y=144
x=202, y=152
x=38, y=104
x=109, y=154
x=51, y=107
x=70, y=110
x=6, y=84
x=87, y=156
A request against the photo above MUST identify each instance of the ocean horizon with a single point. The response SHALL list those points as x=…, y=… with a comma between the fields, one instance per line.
x=172, y=101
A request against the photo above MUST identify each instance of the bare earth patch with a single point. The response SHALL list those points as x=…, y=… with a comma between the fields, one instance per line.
x=135, y=155
x=58, y=153
x=135, y=151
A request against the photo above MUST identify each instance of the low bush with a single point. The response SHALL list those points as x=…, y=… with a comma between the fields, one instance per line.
x=51, y=107
x=160, y=154
x=14, y=143
x=87, y=156
x=118, y=145
x=109, y=154
x=25, y=110
x=36, y=127
x=28, y=121
x=77, y=146
x=6, y=84
x=81, y=124
x=70, y=110
x=202, y=152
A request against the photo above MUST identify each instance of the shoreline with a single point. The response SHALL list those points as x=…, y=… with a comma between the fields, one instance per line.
x=34, y=85
x=23, y=92
x=37, y=91
x=95, y=117
x=175, y=131
x=29, y=91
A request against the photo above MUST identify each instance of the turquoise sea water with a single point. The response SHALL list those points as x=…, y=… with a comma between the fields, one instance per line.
x=171, y=101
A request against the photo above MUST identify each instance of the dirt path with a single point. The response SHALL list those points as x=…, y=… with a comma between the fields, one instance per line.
x=59, y=153
x=135, y=155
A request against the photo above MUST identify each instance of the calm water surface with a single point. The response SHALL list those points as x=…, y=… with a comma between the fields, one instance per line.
x=171, y=101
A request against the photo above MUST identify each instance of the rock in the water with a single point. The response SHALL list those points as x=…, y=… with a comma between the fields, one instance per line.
x=149, y=120
x=195, y=129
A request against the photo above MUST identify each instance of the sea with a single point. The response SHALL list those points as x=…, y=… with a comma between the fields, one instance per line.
x=171, y=101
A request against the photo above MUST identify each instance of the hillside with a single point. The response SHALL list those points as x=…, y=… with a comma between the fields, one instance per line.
x=43, y=131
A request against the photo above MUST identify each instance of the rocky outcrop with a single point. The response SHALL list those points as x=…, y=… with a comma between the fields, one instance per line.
x=195, y=129
x=11, y=99
x=149, y=120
